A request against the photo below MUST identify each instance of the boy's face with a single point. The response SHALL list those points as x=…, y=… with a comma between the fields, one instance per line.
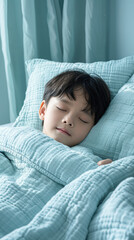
x=65, y=119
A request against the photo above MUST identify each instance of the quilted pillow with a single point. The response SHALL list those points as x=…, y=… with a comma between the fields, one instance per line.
x=115, y=73
x=113, y=136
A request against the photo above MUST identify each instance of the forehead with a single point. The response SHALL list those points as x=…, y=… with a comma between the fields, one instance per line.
x=80, y=99
x=80, y=94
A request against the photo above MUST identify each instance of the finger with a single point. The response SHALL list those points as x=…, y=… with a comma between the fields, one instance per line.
x=104, y=162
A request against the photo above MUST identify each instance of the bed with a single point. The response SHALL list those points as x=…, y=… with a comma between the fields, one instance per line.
x=51, y=191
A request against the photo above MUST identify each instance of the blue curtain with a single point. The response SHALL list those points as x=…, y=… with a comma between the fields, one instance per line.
x=59, y=30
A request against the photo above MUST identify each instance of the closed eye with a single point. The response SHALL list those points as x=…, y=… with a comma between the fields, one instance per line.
x=83, y=121
x=61, y=109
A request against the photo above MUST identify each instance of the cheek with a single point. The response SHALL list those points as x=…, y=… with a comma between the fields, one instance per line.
x=83, y=131
x=79, y=136
x=51, y=117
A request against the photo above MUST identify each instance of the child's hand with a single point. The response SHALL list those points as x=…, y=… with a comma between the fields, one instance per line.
x=104, y=162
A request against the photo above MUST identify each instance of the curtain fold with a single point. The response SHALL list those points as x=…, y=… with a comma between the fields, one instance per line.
x=58, y=30
x=29, y=29
x=55, y=29
x=73, y=31
x=96, y=31
x=7, y=58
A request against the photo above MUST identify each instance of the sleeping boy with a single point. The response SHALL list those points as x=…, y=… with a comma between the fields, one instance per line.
x=73, y=102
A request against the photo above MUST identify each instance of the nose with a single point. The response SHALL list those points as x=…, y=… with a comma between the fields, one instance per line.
x=68, y=120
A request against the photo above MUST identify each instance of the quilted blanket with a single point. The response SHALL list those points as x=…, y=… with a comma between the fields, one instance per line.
x=49, y=191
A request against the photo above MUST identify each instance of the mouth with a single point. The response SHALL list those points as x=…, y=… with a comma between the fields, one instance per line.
x=64, y=131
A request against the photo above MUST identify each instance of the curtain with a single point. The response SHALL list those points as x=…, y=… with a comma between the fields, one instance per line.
x=58, y=30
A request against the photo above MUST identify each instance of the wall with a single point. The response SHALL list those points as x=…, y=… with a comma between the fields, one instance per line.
x=121, y=32
x=125, y=27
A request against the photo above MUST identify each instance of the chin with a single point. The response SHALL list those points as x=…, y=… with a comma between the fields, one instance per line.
x=62, y=141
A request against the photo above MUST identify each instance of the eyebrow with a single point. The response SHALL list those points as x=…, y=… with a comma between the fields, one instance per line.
x=65, y=101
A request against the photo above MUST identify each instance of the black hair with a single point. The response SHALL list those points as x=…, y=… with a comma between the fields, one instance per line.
x=96, y=91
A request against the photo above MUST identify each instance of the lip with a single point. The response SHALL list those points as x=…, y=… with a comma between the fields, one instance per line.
x=64, y=131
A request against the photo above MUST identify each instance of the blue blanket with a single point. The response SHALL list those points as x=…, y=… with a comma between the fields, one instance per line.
x=53, y=192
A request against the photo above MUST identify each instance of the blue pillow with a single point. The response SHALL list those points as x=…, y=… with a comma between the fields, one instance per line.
x=113, y=136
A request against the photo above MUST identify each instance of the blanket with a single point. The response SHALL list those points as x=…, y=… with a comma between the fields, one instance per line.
x=49, y=191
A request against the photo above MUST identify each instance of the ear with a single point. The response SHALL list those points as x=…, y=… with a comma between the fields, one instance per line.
x=42, y=110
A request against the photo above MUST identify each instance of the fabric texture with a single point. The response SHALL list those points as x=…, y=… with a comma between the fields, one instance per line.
x=113, y=136
x=49, y=191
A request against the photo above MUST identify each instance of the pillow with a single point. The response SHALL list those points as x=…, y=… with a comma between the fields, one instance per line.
x=113, y=136
x=115, y=73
